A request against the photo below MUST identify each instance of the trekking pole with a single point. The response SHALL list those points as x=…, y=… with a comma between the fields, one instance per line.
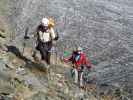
x=97, y=89
x=26, y=37
x=56, y=54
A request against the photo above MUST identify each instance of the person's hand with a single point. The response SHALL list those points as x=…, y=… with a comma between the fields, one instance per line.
x=56, y=38
x=26, y=37
x=65, y=60
x=88, y=67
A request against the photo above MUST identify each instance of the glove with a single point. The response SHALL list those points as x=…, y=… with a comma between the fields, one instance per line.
x=26, y=37
x=56, y=38
x=65, y=60
x=88, y=67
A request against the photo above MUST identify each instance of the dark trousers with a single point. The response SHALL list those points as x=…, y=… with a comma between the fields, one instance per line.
x=44, y=49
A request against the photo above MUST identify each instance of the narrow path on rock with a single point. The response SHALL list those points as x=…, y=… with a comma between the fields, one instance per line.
x=55, y=82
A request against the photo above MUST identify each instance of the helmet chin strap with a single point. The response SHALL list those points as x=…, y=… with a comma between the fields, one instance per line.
x=45, y=28
x=79, y=51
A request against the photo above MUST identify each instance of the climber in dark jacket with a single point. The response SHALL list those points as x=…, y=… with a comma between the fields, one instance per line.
x=45, y=36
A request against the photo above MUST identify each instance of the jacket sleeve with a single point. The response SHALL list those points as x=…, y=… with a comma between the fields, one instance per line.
x=67, y=59
x=86, y=62
x=52, y=33
x=38, y=28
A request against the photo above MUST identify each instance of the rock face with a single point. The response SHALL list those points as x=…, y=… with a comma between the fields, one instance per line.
x=102, y=27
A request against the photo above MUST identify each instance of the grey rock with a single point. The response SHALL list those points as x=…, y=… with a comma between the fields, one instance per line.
x=39, y=96
x=102, y=27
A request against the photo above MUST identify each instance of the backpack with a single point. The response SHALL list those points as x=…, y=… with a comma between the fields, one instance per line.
x=75, y=57
x=51, y=23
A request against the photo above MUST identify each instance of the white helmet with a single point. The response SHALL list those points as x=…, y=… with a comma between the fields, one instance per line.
x=45, y=21
x=80, y=49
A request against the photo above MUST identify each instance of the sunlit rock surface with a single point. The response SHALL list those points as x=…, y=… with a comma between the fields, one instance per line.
x=102, y=27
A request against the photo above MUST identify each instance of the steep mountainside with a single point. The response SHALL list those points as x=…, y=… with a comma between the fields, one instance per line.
x=102, y=27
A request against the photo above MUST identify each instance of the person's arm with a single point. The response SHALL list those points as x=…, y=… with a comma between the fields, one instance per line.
x=87, y=62
x=36, y=35
x=67, y=59
x=52, y=33
x=55, y=36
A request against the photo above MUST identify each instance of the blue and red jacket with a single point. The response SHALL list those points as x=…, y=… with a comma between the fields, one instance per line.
x=79, y=59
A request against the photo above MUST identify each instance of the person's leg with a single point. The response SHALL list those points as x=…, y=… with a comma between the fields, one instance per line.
x=43, y=54
x=36, y=56
x=49, y=46
x=81, y=80
x=48, y=57
x=46, y=53
x=40, y=49
x=43, y=51
x=76, y=76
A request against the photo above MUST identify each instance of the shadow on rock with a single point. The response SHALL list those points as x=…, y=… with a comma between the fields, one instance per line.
x=29, y=64
x=14, y=50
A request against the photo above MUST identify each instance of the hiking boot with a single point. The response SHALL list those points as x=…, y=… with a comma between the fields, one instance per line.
x=82, y=87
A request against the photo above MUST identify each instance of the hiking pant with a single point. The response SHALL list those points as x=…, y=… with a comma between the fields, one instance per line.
x=44, y=49
x=78, y=77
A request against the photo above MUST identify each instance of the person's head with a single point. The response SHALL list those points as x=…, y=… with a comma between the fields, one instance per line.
x=45, y=22
x=79, y=49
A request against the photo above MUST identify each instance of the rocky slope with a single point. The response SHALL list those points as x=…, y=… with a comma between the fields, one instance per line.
x=22, y=78
x=102, y=27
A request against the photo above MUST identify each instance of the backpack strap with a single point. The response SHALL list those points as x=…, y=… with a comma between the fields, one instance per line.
x=77, y=57
x=50, y=35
